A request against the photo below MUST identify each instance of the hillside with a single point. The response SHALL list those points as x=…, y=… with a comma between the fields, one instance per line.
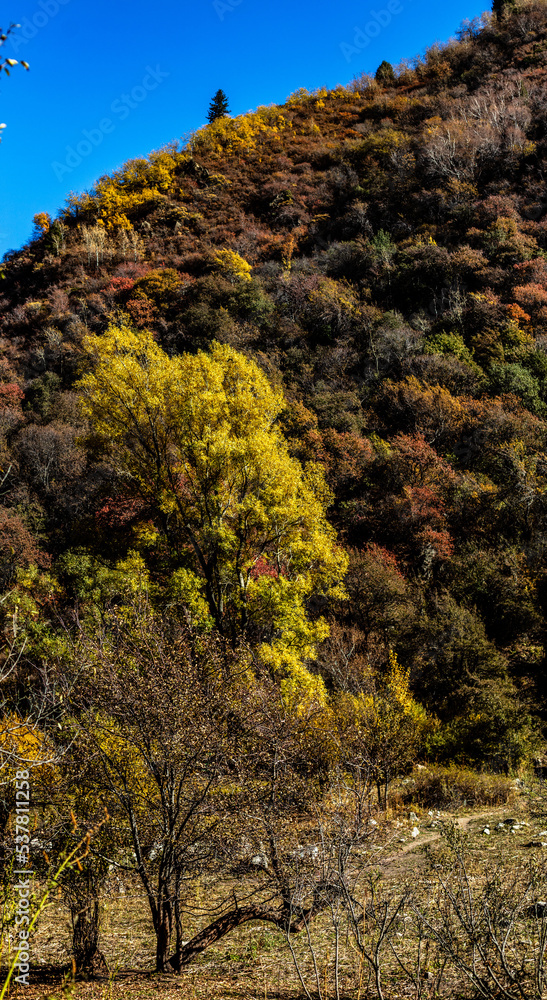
x=380, y=250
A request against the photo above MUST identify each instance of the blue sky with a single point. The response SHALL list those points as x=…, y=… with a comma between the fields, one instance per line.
x=110, y=81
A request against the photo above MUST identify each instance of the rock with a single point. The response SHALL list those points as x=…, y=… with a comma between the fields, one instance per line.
x=372, y=822
x=194, y=169
x=414, y=832
x=535, y=843
x=486, y=831
x=413, y=818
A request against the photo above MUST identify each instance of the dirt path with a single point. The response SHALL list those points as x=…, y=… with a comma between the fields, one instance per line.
x=397, y=863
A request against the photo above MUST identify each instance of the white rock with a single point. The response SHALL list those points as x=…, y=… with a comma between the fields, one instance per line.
x=372, y=822
x=414, y=832
x=486, y=831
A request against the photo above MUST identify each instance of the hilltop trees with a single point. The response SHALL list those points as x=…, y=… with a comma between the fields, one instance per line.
x=502, y=7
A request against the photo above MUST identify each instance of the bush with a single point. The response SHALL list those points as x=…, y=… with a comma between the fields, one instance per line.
x=450, y=787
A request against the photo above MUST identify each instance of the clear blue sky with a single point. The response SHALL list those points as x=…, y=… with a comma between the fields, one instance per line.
x=116, y=80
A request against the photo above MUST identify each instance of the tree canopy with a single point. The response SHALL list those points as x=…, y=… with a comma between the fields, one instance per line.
x=197, y=440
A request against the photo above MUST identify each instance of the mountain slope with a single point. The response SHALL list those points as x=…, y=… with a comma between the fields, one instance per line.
x=397, y=293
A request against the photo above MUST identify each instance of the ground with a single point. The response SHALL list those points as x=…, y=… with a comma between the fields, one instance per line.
x=254, y=963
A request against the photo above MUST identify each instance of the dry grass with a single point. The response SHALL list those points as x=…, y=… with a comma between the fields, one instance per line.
x=453, y=787
x=255, y=963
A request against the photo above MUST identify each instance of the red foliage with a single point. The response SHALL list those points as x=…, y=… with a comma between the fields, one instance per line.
x=118, y=286
x=17, y=546
x=263, y=567
x=117, y=512
x=418, y=464
x=532, y=295
x=142, y=311
x=11, y=395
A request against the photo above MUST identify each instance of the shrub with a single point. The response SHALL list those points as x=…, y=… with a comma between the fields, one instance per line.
x=450, y=787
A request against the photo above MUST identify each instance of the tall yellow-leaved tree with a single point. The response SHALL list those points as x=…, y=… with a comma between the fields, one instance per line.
x=196, y=436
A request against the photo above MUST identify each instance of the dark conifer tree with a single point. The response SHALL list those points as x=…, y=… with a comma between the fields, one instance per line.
x=218, y=107
x=502, y=7
x=385, y=74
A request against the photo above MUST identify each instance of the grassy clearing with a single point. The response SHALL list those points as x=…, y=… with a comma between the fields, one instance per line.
x=502, y=843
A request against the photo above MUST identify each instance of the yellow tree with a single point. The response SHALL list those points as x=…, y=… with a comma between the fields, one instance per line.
x=246, y=523
x=382, y=730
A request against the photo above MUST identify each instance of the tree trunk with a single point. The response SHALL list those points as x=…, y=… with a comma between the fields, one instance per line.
x=242, y=915
x=90, y=961
x=164, y=928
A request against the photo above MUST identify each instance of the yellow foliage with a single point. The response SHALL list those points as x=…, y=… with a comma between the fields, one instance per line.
x=20, y=743
x=388, y=726
x=232, y=266
x=198, y=438
x=384, y=142
x=113, y=202
x=239, y=135
x=42, y=221
x=128, y=760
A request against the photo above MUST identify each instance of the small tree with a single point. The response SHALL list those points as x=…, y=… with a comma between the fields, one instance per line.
x=155, y=716
x=218, y=107
x=384, y=74
x=503, y=7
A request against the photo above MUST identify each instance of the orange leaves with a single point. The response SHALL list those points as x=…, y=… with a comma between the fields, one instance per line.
x=431, y=409
x=517, y=314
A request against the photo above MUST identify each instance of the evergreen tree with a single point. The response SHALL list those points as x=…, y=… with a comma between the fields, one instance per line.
x=218, y=107
x=384, y=73
x=502, y=7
